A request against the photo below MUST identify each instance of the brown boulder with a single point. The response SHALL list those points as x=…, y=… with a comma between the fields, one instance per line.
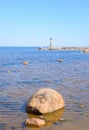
x=35, y=122
x=45, y=100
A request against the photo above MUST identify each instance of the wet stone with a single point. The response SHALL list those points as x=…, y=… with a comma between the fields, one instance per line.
x=81, y=106
x=35, y=122
x=25, y=63
x=45, y=100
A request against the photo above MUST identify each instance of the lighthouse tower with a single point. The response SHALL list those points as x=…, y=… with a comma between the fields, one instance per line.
x=50, y=43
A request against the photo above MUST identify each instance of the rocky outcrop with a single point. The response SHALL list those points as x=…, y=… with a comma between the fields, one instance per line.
x=45, y=100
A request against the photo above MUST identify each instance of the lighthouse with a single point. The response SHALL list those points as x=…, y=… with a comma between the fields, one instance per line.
x=50, y=46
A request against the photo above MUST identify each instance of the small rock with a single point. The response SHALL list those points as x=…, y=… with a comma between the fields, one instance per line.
x=25, y=62
x=81, y=106
x=8, y=71
x=60, y=60
x=41, y=117
x=61, y=119
x=86, y=114
x=35, y=122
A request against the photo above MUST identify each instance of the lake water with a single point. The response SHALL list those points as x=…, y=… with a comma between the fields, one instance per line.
x=18, y=82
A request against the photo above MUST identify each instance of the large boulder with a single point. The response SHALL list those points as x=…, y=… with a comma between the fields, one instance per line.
x=45, y=100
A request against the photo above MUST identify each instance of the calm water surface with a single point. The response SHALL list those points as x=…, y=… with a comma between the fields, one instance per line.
x=18, y=82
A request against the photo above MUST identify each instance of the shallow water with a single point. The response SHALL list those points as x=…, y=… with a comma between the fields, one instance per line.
x=18, y=82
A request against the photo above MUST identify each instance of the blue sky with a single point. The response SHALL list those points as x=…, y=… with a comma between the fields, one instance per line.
x=33, y=22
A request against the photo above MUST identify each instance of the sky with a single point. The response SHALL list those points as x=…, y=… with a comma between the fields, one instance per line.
x=33, y=22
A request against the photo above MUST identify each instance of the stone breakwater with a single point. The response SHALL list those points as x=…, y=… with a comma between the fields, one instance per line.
x=84, y=49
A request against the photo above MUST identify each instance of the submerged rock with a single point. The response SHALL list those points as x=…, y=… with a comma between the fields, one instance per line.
x=45, y=100
x=60, y=60
x=25, y=63
x=35, y=122
x=8, y=71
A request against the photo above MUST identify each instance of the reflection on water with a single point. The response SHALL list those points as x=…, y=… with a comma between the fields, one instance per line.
x=51, y=118
x=18, y=82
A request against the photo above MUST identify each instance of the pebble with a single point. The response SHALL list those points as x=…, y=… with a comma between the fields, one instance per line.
x=8, y=71
x=61, y=119
x=41, y=117
x=60, y=60
x=81, y=106
x=86, y=114
x=25, y=62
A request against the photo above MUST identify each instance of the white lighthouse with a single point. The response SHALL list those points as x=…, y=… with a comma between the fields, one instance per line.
x=50, y=44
